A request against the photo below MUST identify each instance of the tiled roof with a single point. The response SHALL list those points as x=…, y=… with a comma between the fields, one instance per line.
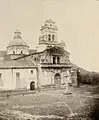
x=58, y=48
x=32, y=51
x=17, y=42
x=17, y=64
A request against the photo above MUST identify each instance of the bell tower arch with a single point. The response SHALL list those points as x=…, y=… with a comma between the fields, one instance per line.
x=48, y=35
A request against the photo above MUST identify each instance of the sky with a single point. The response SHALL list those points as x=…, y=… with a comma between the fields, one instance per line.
x=77, y=22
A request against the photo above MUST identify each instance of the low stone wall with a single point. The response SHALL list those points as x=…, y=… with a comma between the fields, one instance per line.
x=8, y=93
x=52, y=87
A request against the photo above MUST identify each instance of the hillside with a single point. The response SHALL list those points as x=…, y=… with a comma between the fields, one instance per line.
x=82, y=70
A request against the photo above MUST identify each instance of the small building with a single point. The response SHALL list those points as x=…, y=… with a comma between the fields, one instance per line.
x=22, y=67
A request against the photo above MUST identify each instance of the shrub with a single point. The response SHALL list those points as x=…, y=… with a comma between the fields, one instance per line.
x=89, y=78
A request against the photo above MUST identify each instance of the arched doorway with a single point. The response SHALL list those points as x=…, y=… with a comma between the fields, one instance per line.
x=32, y=85
x=57, y=80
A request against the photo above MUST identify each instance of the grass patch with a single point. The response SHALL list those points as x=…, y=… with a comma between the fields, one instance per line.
x=49, y=103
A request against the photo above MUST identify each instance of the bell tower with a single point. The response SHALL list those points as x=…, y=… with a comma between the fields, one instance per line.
x=48, y=35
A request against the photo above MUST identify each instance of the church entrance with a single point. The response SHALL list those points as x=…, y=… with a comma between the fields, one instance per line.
x=57, y=80
x=32, y=85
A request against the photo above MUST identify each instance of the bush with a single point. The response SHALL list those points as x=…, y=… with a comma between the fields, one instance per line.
x=89, y=78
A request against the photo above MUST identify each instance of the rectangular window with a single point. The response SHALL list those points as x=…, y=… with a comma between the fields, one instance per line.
x=17, y=80
x=58, y=60
x=54, y=60
x=31, y=71
x=1, y=82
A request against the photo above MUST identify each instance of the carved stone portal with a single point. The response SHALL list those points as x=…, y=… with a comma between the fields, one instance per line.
x=57, y=80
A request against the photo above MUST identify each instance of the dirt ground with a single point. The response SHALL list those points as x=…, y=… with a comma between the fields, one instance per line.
x=52, y=104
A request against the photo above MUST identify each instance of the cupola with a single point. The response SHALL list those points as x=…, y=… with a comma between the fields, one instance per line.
x=17, y=46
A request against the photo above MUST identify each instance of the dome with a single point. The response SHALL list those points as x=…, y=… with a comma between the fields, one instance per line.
x=17, y=40
x=17, y=46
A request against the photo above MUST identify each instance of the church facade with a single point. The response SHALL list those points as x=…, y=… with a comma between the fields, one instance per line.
x=25, y=68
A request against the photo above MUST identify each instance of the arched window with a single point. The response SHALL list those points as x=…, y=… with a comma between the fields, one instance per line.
x=49, y=37
x=53, y=37
x=13, y=52
x=21, y=51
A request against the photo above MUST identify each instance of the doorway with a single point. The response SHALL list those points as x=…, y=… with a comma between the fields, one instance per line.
x=32, y=85
x=57, y=80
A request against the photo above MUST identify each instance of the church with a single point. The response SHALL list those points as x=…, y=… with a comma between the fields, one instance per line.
x=25, y=68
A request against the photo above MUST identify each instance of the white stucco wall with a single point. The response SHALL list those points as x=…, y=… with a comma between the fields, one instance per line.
x=46, y=78
x=6, y=79
x=25, y=77
x=9, y=78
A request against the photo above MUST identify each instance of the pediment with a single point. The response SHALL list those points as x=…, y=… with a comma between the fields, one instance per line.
x=57, y=51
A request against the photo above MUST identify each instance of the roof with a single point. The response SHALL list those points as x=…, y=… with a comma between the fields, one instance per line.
x=32, y=51
x=48, y=49
x=57, y=48
x=18, y=42
x=16, y=64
